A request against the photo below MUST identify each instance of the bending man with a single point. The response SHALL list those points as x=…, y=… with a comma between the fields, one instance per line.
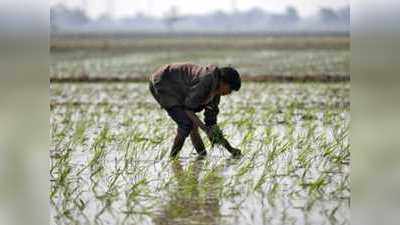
x=183, y=89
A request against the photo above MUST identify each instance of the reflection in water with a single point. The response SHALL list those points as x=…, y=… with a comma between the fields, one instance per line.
x=192, y=201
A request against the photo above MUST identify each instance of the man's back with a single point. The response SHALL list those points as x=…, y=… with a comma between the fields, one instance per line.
x=174, y=82
x=187, y=72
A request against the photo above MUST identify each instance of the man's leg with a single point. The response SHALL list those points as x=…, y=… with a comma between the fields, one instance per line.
x=180, y=118
x=184, y=128
x=197, y=142
x=178, y=144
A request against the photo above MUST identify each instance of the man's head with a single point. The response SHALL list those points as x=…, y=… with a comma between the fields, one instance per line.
x=230, y=81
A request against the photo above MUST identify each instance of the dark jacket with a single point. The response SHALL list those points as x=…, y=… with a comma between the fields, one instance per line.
x=188, y=86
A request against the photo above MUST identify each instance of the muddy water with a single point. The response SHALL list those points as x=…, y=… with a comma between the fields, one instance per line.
x=109, y=158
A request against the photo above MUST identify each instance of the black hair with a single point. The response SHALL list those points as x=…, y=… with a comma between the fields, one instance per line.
x=231, y=76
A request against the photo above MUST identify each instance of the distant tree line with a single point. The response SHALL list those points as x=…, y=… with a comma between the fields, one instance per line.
x=255, y=19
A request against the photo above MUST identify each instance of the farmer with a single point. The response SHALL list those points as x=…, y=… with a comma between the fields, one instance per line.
x=183, y=89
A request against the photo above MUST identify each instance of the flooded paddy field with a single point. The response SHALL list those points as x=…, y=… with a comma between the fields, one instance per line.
x=254, y=63
x=97, y=57
x=110, y=165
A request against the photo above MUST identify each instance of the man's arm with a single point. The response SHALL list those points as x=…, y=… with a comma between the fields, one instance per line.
x=210, y=133
x=211, y=112
x=197, y=94
x=197, y=121
x=210, y=118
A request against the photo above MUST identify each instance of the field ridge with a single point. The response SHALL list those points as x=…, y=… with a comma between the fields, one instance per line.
x=323, y=78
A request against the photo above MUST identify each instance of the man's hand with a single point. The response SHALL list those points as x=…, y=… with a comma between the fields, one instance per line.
x=215, y=135
x=236, y=153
